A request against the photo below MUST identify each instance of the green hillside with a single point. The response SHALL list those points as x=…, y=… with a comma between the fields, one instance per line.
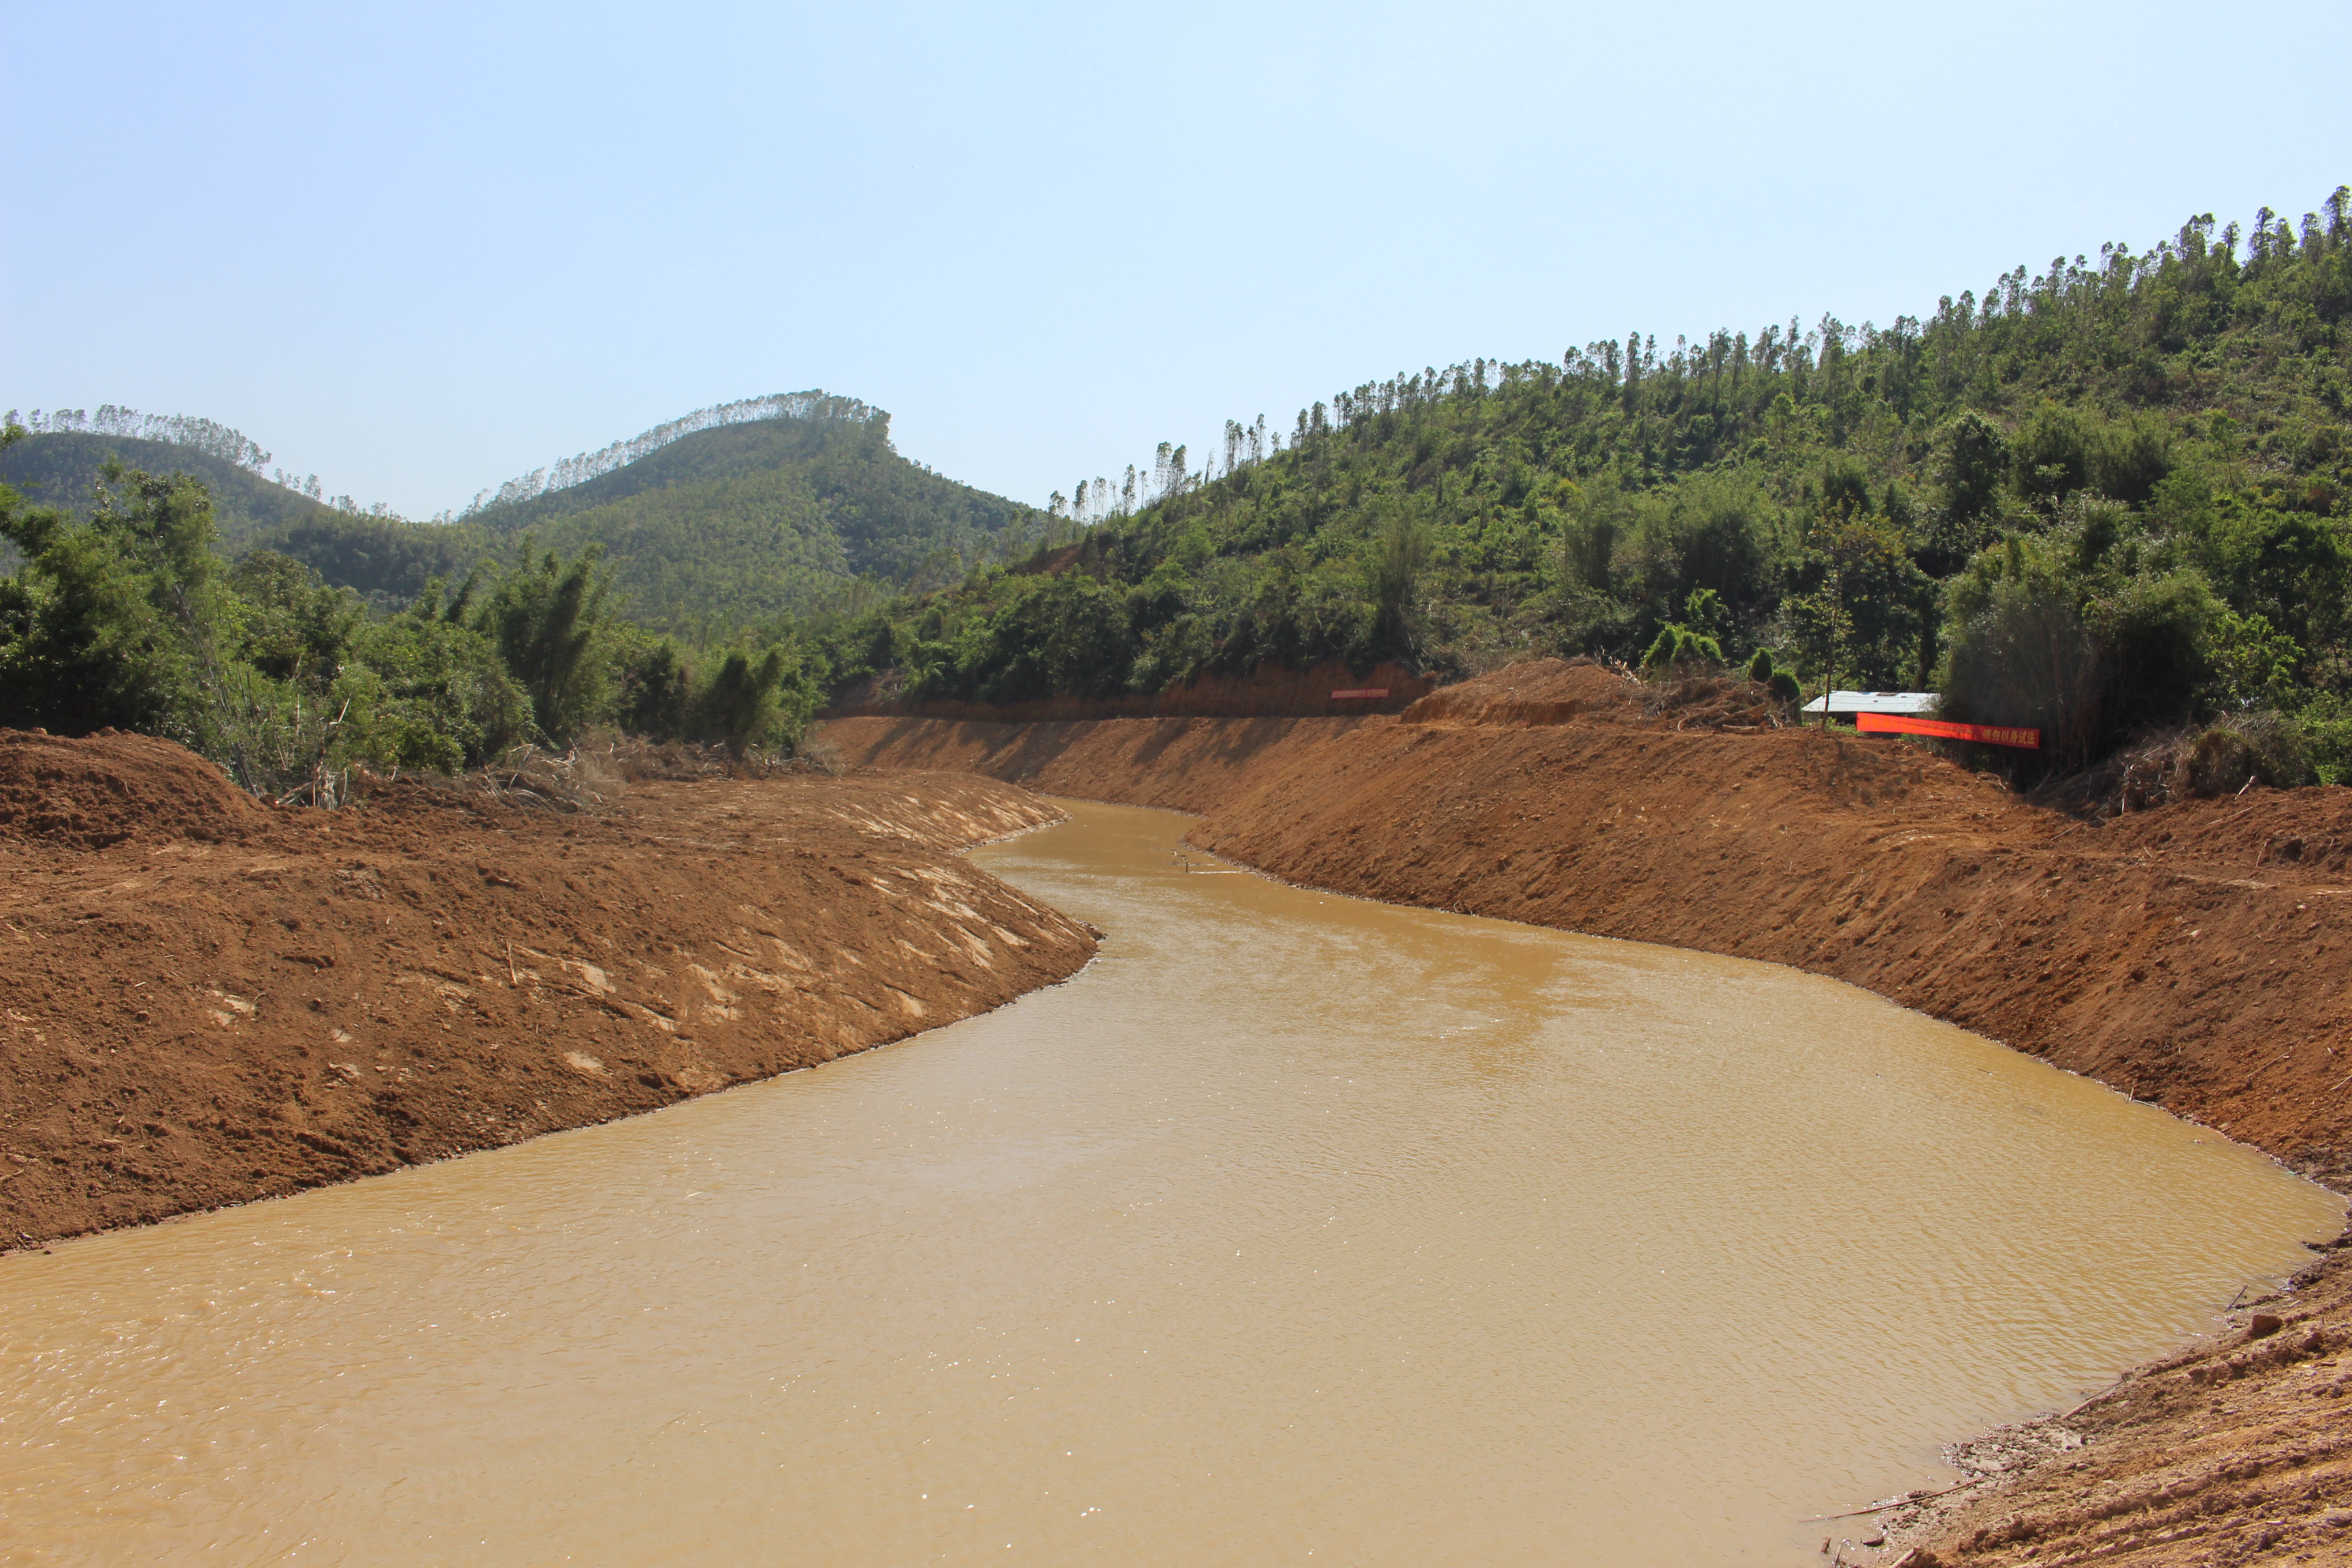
x=713, y=529
x=386, y=560
x=60, y=470
x=748, y=520
x=2103, y=500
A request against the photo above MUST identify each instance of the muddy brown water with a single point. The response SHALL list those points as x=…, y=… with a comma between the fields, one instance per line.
x=1296, y=1228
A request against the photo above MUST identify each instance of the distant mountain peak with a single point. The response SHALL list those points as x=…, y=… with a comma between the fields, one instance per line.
x=816, y=406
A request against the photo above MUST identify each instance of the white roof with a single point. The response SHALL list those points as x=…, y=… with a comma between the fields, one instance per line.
x=1918, y=703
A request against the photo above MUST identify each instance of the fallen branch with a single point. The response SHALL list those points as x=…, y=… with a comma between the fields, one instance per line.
x=2085, y=1404
x=1899, y=1503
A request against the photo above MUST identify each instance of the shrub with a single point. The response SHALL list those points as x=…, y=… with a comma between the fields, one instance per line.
x=1680, y=648
x=2026, y=658
x=763, y=700
x=2087, y=660
x=738, y=707
x=2326, y=727
x=2245, y=748
x=546, y=620
x=657, y=692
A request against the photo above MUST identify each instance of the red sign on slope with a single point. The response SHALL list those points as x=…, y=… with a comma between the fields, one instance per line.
x=1986, y=734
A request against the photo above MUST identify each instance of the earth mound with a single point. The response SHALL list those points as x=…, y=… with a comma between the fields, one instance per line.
x=1537, y=692
x=101, y=789
x=445, y=967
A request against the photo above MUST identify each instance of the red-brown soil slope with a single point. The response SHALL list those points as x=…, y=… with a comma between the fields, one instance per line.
x=90, y=793
x=228, y=1001
x=1182, y=765
x=1264, y=693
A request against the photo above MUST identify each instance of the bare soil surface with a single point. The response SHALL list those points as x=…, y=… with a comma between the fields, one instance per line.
x=1266, y=693
x=205, y=1001
x=2199, y=956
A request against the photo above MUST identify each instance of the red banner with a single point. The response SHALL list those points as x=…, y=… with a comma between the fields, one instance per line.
x=1985, y=734
x=1367, y=691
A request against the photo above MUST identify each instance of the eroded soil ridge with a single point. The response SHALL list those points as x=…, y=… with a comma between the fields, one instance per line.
x=209, y=1001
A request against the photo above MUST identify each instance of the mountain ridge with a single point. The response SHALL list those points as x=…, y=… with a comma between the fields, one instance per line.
x=735, y=514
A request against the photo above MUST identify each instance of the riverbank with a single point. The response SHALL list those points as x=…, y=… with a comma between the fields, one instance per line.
x=2197, y=955
x=2232, y=1449
x=209, y=1001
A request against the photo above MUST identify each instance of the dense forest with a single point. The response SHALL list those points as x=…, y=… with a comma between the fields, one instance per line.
x=2103, y=500
x=761, y=520
x=159, y=582
x=129, y=616
x=747, y=511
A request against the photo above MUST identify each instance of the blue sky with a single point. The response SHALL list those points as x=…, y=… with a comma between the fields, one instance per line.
x=417, y=249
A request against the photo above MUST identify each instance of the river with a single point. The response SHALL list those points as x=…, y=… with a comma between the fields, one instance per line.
x=1294, y=1229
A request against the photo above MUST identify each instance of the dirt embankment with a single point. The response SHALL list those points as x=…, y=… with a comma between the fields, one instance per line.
x=209, y=1001
x=1181, y=764
x=1264, y=693
x=2200, y=955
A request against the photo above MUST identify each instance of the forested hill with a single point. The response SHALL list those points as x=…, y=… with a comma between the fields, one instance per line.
x=749, y=520
x=2104, y=499
x=124, y=603
x=386, y=560
x=59, y=469
x=725, y=525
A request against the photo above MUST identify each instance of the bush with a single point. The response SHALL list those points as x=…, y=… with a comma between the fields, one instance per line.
x=2028, y=659
x=547, y=620
x=111, y=621
x=657, y=692
x=2327, y=732
x=426, y=692
x=751, y=700
x=737, y=707
x=2244, y=749
x=1680, y=648
x=2087, y=659
x=2158, y=636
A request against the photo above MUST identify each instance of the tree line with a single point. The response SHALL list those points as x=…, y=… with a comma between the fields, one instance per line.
x=814, y=406
x=127, y=617
x=2102, y=500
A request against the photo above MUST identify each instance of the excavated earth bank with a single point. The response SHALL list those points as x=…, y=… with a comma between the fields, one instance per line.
x=204, y=1000
x=2197, y=955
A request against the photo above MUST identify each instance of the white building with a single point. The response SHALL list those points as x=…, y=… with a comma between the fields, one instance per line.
x=1845, y=704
